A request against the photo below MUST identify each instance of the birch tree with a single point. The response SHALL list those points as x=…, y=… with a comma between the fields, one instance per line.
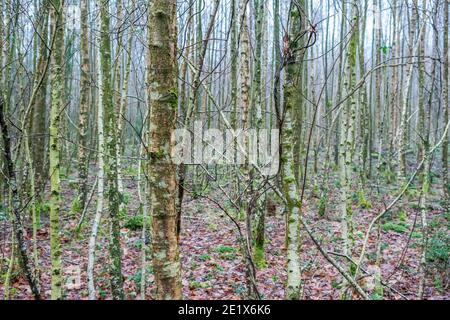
x=163, y=103
x=56, y=14
x=110, y=122
x=84, y=104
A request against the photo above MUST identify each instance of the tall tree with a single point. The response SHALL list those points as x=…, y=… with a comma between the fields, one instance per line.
x=403, y=128
x=19, y=230
x=163, y=104
x=57, y=84
x=346, y=136
x=445, y=173
x=38, y=125
x=85, y=78
x=110, y=122
x=293, y=53
x=101, y=171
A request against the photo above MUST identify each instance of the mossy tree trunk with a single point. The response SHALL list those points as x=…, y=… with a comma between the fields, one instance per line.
x=38, y=141
x=346, y=138
x=245, y=96
x=293, y=55
x=445, y=173
x=85, y=78
x=163, y=104
x=18, y=227
x=57, y=84
x=110, y=122
x=259, y=116
x=101, y=173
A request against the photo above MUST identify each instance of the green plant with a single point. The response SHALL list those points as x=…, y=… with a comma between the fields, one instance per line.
x=416, y=235
x=438, y=283
x=388, y=174
x=435, y=223
x=322, y=206
x=136, y=278
x=241, y=216
x=126, y=198
x=376, y=296
x=399, y=227
x=204, y=257
x=226, y=252
x=412, y=192
x=76, y=206
x=123, y=213
x=3, y=216
x=130, y=170
x=363, y=203
x=102, y=293
x=315, y=191
x=335, y=284
x=415, y=206
x=138, y=243
x=225, y=249
x=45, y=207
x=213, y=226
x=446, y=216
x=136, y=222
x=258, y=257
x=402, y=215
x=72, y=184
x=197, y=284
x=438, y=249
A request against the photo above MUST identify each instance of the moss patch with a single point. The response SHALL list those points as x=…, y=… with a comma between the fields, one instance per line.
x=259, y=258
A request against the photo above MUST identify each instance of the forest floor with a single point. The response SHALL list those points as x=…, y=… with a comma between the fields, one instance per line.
x=212, y=266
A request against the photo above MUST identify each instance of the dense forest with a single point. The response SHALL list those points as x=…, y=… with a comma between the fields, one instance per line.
x=224, y=149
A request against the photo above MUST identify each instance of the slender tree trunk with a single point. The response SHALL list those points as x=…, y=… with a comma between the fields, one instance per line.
x=394, y=88
x=163, y=104
x=293, y=56
x=445, y=173
x=38, y=142
x=403, y=128
x=123, y=103
x=110, y=122
x=346, y=138
x=244, y=58
x=377, y=99
x=57, y=85
x=101, y=178
x=18, y=227
x=85, y=79
x=258, y=91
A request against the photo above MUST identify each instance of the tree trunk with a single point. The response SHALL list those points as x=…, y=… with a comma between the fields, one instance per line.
x=110, y=122
x=18, y=228
x=163, y=104
x=101, y=179
x=445, y=173
x=57, y=85
x=85, y=79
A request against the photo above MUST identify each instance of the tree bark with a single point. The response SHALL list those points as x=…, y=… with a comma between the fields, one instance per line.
x=110, y=122
x=85, y=78
x=163, y=104
x=18, y=228
x=57, y=85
